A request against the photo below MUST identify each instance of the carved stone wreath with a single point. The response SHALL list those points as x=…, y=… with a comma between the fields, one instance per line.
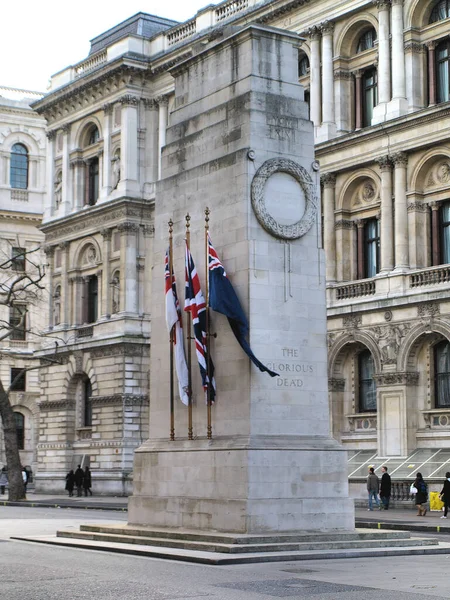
x=301, y=175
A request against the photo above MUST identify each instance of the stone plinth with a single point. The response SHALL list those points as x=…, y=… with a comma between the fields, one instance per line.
x=239, y=136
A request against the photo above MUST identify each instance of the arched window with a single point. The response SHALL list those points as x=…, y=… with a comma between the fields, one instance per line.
x=443, y=71
x=87, y=403
x=94, y=136
x=367, y=40
x=20, y=429
x=19, y=167
x=441, y=11
x=303, y=65
x=369, y=95
x=442, y=375
x=367, y=396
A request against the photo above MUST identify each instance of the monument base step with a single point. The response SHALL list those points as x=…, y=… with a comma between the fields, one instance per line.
x=222, y=549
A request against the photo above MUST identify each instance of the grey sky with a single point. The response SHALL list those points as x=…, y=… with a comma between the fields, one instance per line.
x=41, y=38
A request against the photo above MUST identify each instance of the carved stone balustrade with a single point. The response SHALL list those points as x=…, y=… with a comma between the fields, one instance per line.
x=355, y=289
x=434, y=276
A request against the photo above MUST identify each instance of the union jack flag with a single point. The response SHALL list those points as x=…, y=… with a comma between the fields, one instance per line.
x=175, y=322
x=196, y=305
x=223, y=299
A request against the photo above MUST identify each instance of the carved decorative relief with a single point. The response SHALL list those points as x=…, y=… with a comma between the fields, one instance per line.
x=407, y=378
x=352, y=321
x=389, y=339
x=336, y=385
x=428, y=309
x=306, y=187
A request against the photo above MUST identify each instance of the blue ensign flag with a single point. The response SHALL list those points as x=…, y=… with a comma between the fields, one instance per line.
x=223, y=299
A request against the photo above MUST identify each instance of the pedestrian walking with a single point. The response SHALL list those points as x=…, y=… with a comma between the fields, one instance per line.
x=70, y=482
x=421, y=495
x=373, y=487
x=445, y=495
x=385, y=488
x=24, y=479
x=79, y=475
x=87, y=481
x=3, y=480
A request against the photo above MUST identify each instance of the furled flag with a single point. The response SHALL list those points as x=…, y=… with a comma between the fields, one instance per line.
x=223, y=299
x=196, y=305
x=173, y=320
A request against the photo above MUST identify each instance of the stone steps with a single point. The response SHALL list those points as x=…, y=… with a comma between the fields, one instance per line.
x=351, y=541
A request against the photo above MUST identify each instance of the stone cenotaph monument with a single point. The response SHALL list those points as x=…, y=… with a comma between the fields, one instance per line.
x=241, y=143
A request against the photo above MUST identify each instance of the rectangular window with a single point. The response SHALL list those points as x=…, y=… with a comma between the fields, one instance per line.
x=367, y=387
x=17, y=321
x=92, y=299
x=18, y=258
x=18, y=380
x=371, y=248
x=445, y=233
x=370, y=95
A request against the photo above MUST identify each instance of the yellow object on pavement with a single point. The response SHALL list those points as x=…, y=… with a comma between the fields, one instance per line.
x=435, y=502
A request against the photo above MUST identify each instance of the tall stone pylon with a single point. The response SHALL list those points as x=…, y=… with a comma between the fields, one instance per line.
x=241, y=143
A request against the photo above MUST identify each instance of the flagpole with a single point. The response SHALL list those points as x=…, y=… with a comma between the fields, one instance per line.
x=172, y=403
x=208, y=383
x=189, y=334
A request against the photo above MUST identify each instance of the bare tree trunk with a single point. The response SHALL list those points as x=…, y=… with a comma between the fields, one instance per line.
x=16, y=488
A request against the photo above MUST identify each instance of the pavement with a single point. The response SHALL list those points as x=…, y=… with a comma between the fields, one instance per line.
x=114, y=503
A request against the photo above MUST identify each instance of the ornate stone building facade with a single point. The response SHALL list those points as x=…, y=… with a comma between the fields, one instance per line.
x=22, y=187
x=377, y=78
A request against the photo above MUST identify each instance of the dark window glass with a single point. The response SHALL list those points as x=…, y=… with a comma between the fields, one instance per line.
x=19, y=384
x=92, y=299
x=371, y=248
x=17, y=321
x=20, y=428
x=93, y=181
x=442, y=375
x=19, y=167
x=369, y=95
x=303, y=66
x=445, y=233
x=442, y=71
x=18, y=259
x=308, y=101
x=94, y=136
x=441, y=11
x=87, y=393
x=367, y=387
x=367, y=40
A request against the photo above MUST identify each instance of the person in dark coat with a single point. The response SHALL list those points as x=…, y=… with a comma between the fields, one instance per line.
x=87, y=482
x=445, y=495
x=70, y=482
x=385, y=488
x=79, y=476
x=421, y=495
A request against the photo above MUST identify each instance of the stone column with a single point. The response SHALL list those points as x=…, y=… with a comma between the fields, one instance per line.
x=105, y=182
x=65, y=288
x=49, y=208
x=151, y=140
x=398, y=105
x=432, y=90
x=328, y=181
x=360, y=248
x=66, y=197
x=400, y=161
x=77, y=300
x=384, y=61
x=50, y=255
x=387, y=215
x=129, y=159
x=358, y=98
x=328, y=128
x=416, y=76
x=435, y=237
x=105, y=307
x=128, y=261
x=343, y=93
x=163, y=102
x=315, y=77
